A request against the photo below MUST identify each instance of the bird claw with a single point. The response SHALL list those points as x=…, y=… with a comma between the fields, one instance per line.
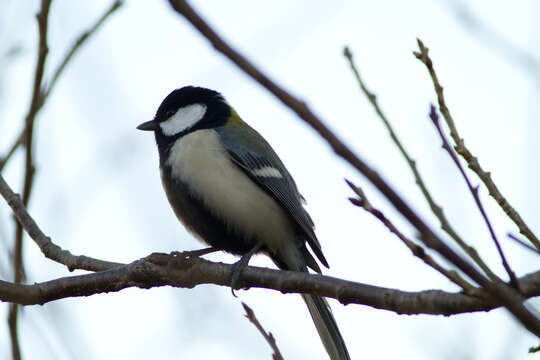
x=237, y=271
x=239, y=266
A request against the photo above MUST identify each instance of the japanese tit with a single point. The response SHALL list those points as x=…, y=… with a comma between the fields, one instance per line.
x=230, y=189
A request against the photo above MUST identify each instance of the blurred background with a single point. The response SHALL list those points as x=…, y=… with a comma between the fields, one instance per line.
x=97, y=190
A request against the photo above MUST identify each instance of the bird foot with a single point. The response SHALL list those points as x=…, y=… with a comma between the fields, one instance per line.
x=239, y=266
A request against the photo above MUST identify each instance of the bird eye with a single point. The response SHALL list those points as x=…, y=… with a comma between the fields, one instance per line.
x=169, y=113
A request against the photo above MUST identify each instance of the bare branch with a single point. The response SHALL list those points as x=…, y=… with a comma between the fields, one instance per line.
x=163, y=269
x=416, y=249
x=11, y=150
x=474, y=191
x=188, y=272
x=29, y=169
x=523, y=243
x=267, y=335
x=120, y=276
x=511, y=299
x=435, y=208
x=471, y=160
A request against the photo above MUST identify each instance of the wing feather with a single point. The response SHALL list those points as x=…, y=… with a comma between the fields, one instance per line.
x=261, y=163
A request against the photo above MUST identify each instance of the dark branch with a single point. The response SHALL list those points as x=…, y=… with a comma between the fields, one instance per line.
x=155, y=271
x=187, y=272
x=508, y=296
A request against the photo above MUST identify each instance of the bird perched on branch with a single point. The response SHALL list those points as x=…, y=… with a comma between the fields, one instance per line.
x=230, y=189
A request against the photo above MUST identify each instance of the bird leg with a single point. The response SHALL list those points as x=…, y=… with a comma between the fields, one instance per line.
x=240, y=265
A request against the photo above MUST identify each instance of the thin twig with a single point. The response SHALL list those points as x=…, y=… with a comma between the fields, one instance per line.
x=83, y=38
x=79, y=42
x=523, y=243
x=511, y=299
x=474, y=191
x=435, y=208
x=11, y=150
x=472, y=161
x=416, y=249
x=267, y=335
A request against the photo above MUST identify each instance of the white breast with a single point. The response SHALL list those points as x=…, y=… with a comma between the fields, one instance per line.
x=200, y=160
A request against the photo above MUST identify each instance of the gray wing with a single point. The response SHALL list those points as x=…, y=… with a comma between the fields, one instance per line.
x=261, y=164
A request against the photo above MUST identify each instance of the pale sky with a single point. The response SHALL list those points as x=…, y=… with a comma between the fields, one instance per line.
x=98, y=193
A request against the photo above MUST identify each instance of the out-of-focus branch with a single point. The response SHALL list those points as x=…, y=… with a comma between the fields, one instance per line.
x=79, y=42
x=435, y=208
x=29, y=169
x=267, y=335
x=512, y=300
x=48, y=88
x=495, y=40
x=474, y=191
x=39, y=96
x=11, y=151
x=185, y=271
x=472, y=161
x=417, y=250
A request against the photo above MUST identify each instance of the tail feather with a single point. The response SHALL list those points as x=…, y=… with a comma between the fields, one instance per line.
x=326, y=327
x=298, y=260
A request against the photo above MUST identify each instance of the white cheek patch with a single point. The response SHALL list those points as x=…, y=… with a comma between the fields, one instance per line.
x=184, y=118
x=267, y=171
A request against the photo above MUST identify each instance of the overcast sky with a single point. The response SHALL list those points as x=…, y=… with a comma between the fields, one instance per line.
x=97, y=189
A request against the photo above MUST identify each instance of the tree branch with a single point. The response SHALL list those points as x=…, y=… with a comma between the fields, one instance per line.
x=435, y=208
x=29, y=169
x=416, y=249
x=474, y=191
x=188, y=271
x=512, y=300
x=267, y=335
x=471, y=160
x=185, y=271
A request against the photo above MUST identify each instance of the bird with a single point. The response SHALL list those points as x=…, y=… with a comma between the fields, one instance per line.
x=229, y=188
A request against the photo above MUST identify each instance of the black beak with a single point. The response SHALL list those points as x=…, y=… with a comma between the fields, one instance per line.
x=147, y=126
